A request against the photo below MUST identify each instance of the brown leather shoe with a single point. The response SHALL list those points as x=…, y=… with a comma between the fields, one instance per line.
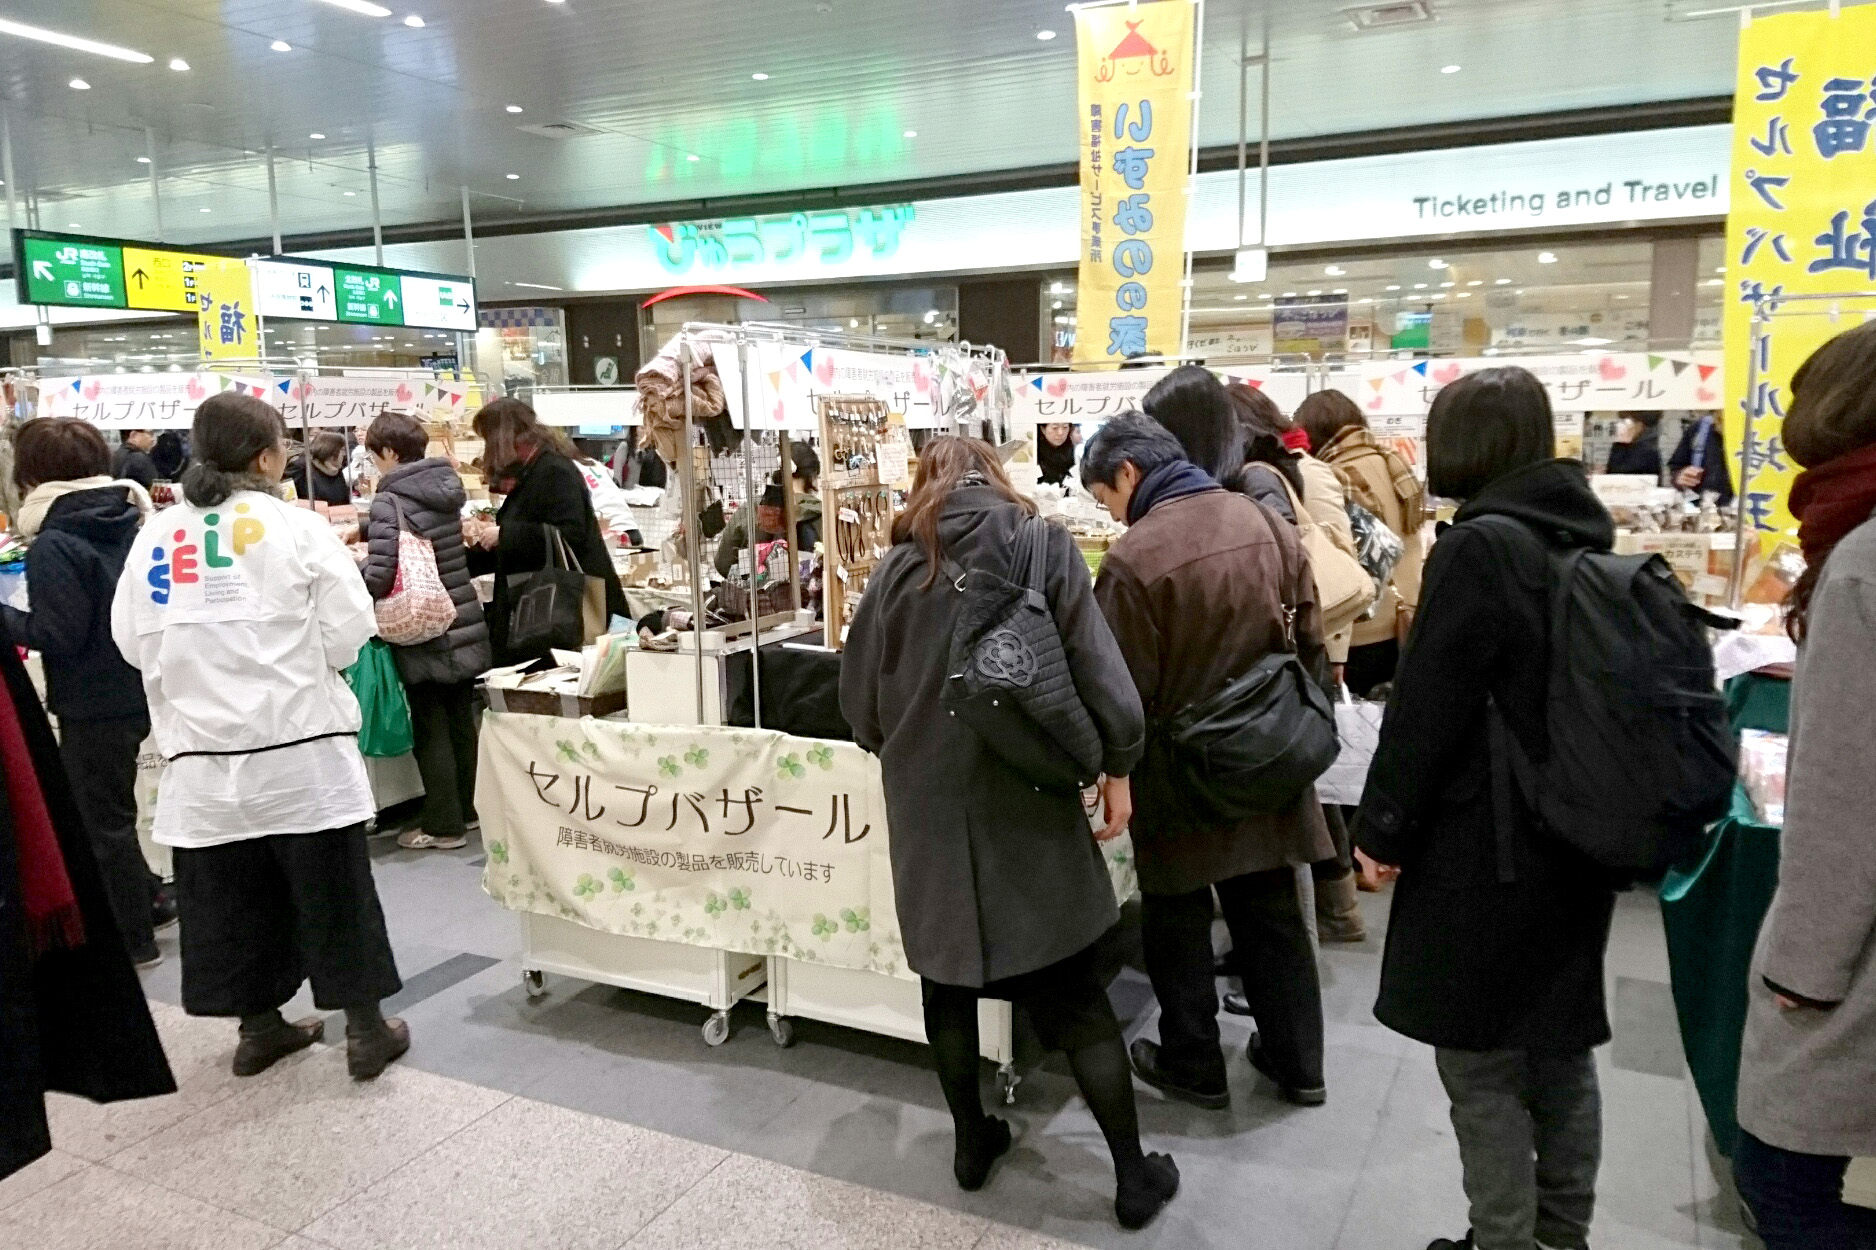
x=366, y=1057
x=258, y=1052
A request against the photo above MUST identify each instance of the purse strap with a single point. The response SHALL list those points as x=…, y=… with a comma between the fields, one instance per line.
x=557, y=554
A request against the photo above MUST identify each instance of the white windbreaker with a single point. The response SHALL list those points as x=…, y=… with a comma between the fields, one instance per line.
x=240, y=617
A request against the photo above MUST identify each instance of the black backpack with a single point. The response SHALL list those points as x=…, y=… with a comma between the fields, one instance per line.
x=1641, y=757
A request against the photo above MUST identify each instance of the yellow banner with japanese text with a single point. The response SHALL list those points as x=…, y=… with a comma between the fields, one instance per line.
x=1136, y=134
x=226, y=327
x=1803, y=222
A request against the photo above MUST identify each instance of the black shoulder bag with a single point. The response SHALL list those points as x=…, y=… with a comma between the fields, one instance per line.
x=1008, y=676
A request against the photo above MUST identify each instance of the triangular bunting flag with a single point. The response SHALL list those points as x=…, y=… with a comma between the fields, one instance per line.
x=1255, y=383
x=1377, y=383
x=1706, y=371
x=1401, y=376
x=1421, y=368
x=807, y=359
x=1035, y=382
x=1655, y=362
x=79, y=382
x=1680, y=367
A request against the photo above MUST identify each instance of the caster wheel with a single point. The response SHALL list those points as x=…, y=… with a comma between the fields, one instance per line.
x=782, y=1029
x=716, y=1029
x=534, y=983
x=1008, y=1080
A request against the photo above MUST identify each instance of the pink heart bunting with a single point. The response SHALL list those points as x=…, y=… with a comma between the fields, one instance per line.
x=1610, y=370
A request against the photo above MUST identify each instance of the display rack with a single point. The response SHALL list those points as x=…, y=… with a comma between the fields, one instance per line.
x=856, y=506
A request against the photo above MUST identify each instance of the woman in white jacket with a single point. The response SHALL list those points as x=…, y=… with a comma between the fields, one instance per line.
x=240, y=610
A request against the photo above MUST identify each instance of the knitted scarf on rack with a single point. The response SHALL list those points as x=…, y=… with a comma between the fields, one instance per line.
x=52, y=916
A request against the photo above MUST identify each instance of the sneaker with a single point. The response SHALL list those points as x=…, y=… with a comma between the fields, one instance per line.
x=1138, y=1199
x=147, y=958
x=1145, y=1057
x=162, y=910
x=367, y=1056
x=1301, y=1095
x=418, y=840
x=260, y=1051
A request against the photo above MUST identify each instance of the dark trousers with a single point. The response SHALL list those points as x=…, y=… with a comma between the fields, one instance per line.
x=1798, y=1198
x=262, y=915
x=1270, y=943
x=100, y=760
x=1369, y=666
x=443, y=724
x=1530, y=1141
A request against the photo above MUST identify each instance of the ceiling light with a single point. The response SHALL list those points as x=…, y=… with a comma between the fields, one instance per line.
x=1449, y=69
x=1436, y=263
x=205, y=210
x=512, y=177
x=1265, y=295
x=1333, y=271
x=1340, y=290
x=1449, y=284
x=693, y=157
x=1592, y=342
x=72, y=225
x=414, y=22
x=1056, y=288
x=1394, y=286
x=143, y=160
x=910, y=134
x=179, y=65
x=1501, y=281
x=315, y=135
x=514, y=108
x=1240, y=297
x=853, y=323
x=1056, y=305
x=1714, y=282
x=348, y=193
x=1045, y=35
x=1316, y=292
x=22, y=30
x=1465, y=295
x=1519, y=291
x=1366, y=299
x=1289, y=295
x=1621, y=297
x=1437, y=295
x=281, y=45
x=1546, y=258
x=1719, y=269
x=1420, y=286
x=79, y=84
x=760, y=77
x=361, y=6
x=540, y=286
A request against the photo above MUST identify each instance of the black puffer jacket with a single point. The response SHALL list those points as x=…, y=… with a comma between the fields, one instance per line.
x=71, y=577
x=1473, y=962
x=432, y=498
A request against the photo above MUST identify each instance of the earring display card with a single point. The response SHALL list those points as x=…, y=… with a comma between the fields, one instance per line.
x=858, y=507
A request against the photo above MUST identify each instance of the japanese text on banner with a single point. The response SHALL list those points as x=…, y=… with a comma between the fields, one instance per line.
x=1803, y=219
x=1136, y=129
x=226, y=327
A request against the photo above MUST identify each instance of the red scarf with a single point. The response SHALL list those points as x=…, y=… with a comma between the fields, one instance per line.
x=1296, y=438
x=511, y=476
x=52, y=916
x=1833, y=499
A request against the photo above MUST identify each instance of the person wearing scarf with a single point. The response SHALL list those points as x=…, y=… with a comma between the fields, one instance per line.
x=81, y=524
x=1808, y=1058
x=1198, y=590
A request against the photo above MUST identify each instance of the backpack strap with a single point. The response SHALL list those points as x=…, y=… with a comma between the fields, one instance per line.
x=1504, y=812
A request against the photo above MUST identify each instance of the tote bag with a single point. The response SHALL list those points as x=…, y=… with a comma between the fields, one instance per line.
x=384, y=729
x=557, y=605
x=1343, y=588
x=418, y=608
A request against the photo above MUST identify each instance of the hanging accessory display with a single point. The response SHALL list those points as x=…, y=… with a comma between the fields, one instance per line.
x=419, y=607
x=859, y=505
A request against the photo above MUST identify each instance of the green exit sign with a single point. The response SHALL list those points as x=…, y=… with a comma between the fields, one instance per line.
x=61, y=271
x=369, y=297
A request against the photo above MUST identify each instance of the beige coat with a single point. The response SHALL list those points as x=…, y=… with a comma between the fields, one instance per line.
x=1380, y=481
x=1326, y=501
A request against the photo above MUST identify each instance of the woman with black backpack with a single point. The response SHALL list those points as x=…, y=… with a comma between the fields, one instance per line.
x=1496, y=938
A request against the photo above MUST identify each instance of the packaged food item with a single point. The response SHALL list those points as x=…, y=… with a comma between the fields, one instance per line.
x=1762, y=769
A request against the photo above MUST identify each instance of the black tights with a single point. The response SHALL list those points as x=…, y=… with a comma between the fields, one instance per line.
x=1098, y=1062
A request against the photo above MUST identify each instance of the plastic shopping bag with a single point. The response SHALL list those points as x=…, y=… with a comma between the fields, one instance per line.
x=1358, y=727
x=385, y=729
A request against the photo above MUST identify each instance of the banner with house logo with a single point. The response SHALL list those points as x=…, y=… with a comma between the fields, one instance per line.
x=1802, y=221
x=1136, y=133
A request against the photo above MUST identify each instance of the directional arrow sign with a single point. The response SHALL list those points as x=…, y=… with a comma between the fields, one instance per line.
x=367, y=296
x=141, y=277
x=42, y=270
x=77, y=274
x=390, y=297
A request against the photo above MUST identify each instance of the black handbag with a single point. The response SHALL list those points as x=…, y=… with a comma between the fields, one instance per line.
x=1257, y=743
x=557, y=605
x=1008, y=676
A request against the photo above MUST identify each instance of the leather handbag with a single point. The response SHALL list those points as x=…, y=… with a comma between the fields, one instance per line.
x=557, y=606
x=419, y=607
x=1008, y=676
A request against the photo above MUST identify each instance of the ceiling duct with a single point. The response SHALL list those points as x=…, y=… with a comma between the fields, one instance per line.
x=1388, y=16
x=559, y=130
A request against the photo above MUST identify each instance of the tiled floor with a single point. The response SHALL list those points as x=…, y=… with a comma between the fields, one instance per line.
x=595, y=1118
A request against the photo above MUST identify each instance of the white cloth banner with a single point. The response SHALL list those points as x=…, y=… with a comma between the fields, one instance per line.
x=350, y=401
x=1614, y=381
x=1091, y=398
x=736, y=839
x=147, y=401
x=788, y=378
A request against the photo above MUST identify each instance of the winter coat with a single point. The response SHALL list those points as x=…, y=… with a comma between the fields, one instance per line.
x=549, y=493
x=1719, y=473
x=71, y=577
x=1380, y=481
x=730, y=546
x=431, y=495
x=330, y=489
x=993, y=877
x=1641, y=456
x=1325, y=498
x=134, y=465
x=1806, y=1076
x=74, y=1021
x=1472, y=962
x=1195, y=592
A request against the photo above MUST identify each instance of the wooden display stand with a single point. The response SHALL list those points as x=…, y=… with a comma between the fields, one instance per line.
x=856, y=507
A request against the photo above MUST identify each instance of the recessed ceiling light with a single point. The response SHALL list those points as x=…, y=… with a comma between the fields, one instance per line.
x=1546, y=258
x=205, y=210
x=1449, y=284
x=1340, y=290
x=1318, y=291
x=413, y=21
x=1501, y=281
x=1235, y=297
x=1465, y=295
x=1476, y=282
x=1056, y=288
x=1714, y=282
x=348, y=193
x=1333, y=271
x=79, y=84
x=179, y=65
x=910, y=134
x=1366, y=299
x=72, y=225
x=143, y=160
x=1449, y=69
x=1055, y=306
x=281, y=45
x=693, y=157
x=74, y=42
x=315, y=135
x=1437, y=295
x=1394, y=287
x=514, y=108
x=361, y=6
x=512, y=177
x=1436, y=263
x=1719, y=269
x=760, y=77
x=1420, y=286
x=1265, y=295
x=1045, y=35
x=1289, y=295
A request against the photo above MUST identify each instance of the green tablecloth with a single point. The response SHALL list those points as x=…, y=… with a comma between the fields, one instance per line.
x=1712, y=912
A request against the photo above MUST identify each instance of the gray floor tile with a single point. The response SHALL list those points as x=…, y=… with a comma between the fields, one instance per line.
x=1003, y=1237
x=1647, y=1031
x=527, y=1175
x=784, y=1209
x=305, y=1137
x=41, y=1173
x=1646, y=1182
x=98, y=1207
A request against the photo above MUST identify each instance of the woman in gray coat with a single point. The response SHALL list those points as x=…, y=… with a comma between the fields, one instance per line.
x=439, y=675
x=1001, y=889
x=1808, y=1063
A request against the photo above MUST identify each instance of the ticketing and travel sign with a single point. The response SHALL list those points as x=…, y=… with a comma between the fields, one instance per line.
x=78, y=271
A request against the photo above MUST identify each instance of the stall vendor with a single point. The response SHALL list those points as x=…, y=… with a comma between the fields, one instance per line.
x=768, y=512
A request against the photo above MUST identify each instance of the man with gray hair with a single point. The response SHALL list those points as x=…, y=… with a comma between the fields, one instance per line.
x=1204, y=584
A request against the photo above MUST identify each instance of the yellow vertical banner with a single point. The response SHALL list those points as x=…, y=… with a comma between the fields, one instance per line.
x=1136, y=136
x=226, y=327
x=1802, y=220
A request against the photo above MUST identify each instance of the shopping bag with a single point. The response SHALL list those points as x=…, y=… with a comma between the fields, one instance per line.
x=419, y=607
x=1358, y=729
x=557, y=606
x=385, y=728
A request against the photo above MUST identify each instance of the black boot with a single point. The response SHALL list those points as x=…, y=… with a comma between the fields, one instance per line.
x=1144, y=1192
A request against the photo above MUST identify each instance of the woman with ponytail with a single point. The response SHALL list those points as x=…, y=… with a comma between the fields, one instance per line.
x=240, y=611
x=1809, y=1057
